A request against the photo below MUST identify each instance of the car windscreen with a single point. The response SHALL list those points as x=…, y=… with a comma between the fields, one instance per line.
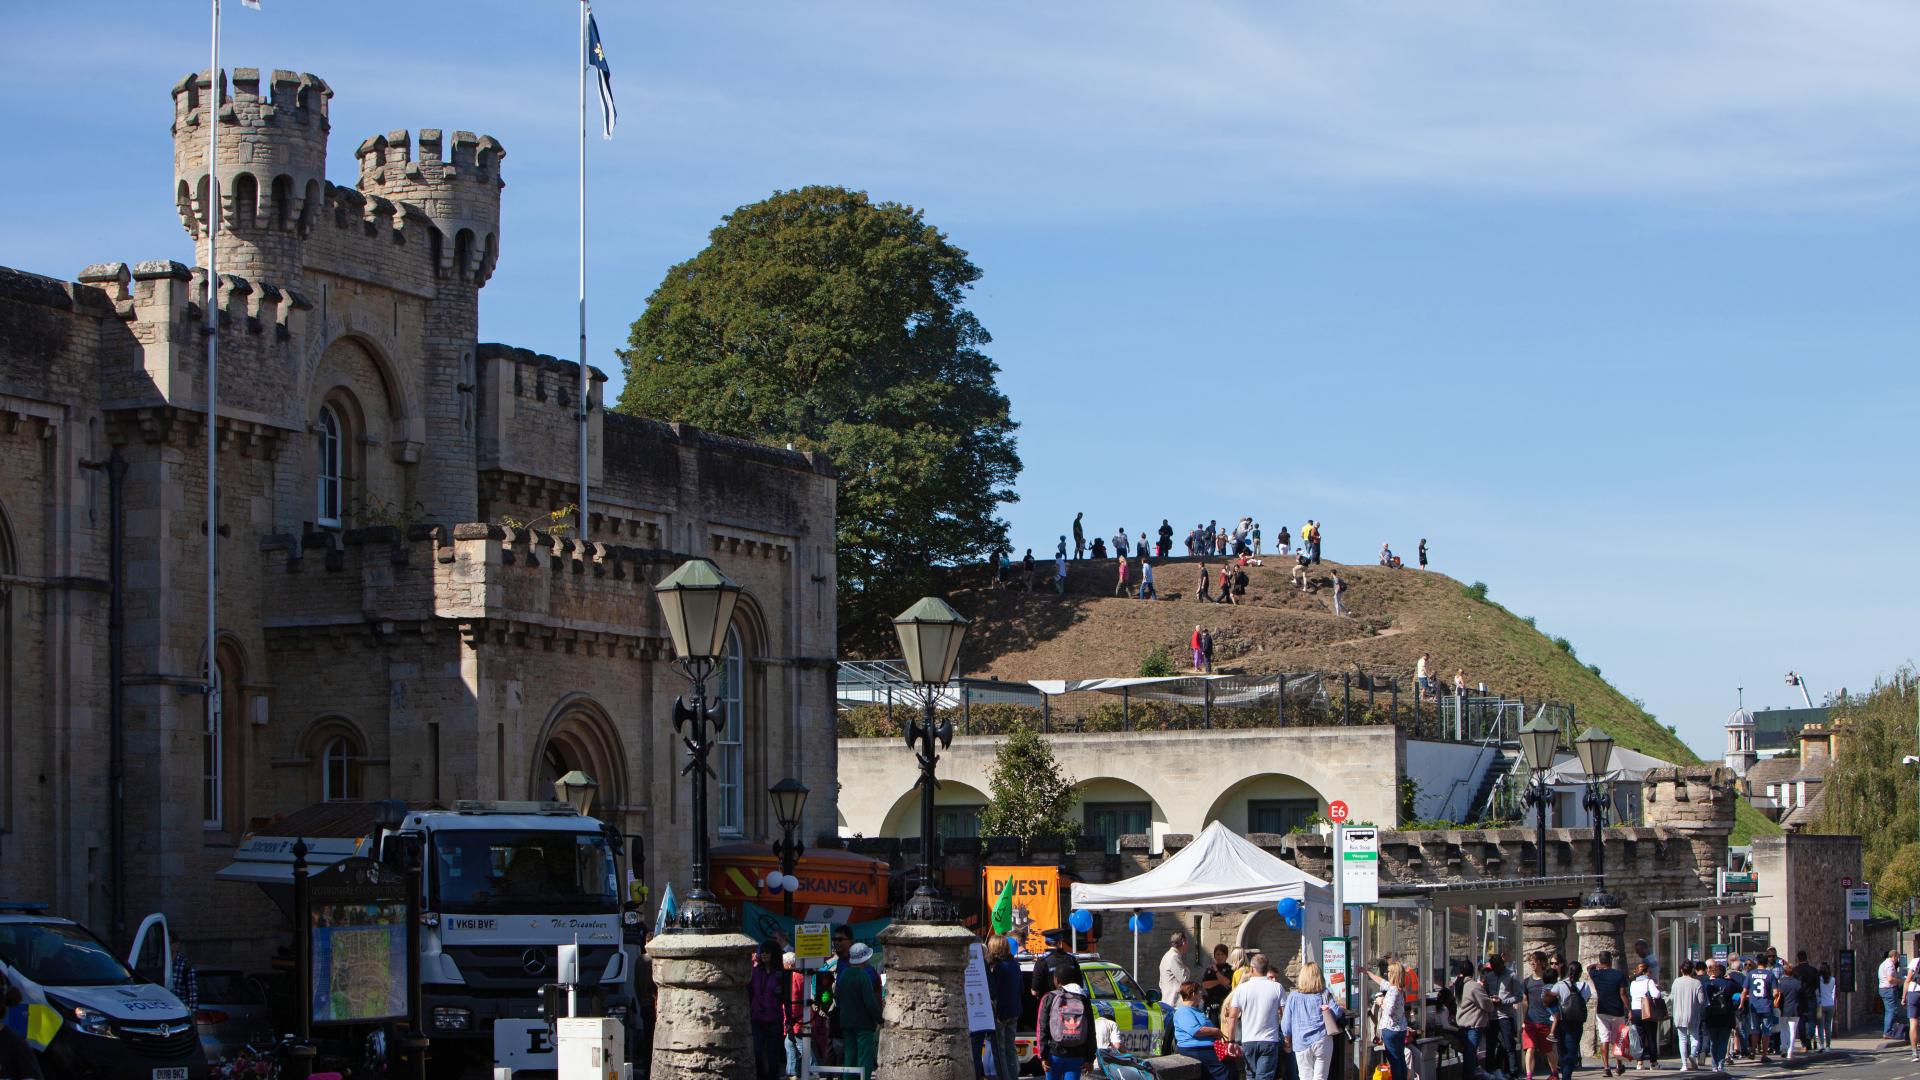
x=530, y=872
x=1127, y=988
x=58, y=954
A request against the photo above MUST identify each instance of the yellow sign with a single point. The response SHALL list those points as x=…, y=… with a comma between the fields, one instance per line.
x=812, y=943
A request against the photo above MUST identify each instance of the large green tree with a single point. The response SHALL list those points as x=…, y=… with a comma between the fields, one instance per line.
x=821, y=318
x=1028, y=794
x=1869, y=792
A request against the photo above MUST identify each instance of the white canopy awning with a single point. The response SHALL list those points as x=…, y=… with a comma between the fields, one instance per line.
x=1623, y=764
x=1221, y=871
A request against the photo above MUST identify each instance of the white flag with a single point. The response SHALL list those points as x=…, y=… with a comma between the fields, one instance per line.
x=254, y=4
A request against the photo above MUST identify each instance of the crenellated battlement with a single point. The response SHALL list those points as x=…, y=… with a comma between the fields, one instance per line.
x=475, y=158
x=293, y=100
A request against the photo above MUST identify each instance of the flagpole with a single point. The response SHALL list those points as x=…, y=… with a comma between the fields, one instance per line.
x=581, y=528
x=211, y=117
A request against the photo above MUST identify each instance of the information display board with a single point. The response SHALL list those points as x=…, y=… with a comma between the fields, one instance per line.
x=357, y=926
x=1333, y=962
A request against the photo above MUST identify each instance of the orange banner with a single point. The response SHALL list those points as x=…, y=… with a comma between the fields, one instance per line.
x=1038, y=904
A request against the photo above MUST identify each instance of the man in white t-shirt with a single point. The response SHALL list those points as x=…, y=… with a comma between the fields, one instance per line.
x=1251, y=1017
x=1174, y=969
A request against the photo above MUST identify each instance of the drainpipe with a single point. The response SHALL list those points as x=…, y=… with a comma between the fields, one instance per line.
x=116, y=469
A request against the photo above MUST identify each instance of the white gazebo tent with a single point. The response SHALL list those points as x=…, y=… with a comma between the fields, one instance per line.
x=1221, y=871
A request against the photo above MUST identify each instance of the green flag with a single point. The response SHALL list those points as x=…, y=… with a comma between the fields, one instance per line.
x=1003, y=909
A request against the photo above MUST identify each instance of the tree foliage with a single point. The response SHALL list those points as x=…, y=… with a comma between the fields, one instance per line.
x=1868, y=792
x=823, y=319
x=1028, y=794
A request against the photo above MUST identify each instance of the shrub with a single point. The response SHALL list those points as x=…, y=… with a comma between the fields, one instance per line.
x=1595, y=668
x=1564, y=646
x=1157, y=663
x=1476, y=591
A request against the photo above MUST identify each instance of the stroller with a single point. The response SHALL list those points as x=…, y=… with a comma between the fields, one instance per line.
x=1115, y=1065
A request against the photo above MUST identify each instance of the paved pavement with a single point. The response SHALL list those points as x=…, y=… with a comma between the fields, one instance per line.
x=1855, y=1057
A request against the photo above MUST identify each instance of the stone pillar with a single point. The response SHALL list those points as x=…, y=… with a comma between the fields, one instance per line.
x=925, y=1034
x=1599, y=931
x=702, y=1027
x=1542, y=931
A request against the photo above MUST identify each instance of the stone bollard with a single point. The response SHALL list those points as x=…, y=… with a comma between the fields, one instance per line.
x=1598, y=930
x=925, y=1036
x=1542, y=931
x=702, y=1029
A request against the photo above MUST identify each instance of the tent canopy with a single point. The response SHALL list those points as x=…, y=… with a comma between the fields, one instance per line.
x=1221, y=871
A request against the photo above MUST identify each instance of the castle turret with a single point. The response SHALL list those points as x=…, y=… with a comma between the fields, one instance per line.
x=456, y=183
x=273, y=155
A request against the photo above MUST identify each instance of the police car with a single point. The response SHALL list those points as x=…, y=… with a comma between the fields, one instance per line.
x=1115, y=996
x=88, y=1014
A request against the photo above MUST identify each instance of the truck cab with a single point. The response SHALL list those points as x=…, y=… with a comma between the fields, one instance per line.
x=503, y=886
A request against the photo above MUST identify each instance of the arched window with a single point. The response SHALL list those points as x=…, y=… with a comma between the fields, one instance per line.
x=222, y=742
x=339, y=770
x=730, y=760
x=213, y=772
x=332, y=468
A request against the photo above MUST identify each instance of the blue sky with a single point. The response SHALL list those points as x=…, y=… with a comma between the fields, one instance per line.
x=1613, y=303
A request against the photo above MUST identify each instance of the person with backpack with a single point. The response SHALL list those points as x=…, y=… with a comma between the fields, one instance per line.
x=1477, y=1015
x=1571, y=1018
x=1193, y=1034
x=856, y=998
x=1685, y=999
x=1063, y=1031
x=1717, y=1013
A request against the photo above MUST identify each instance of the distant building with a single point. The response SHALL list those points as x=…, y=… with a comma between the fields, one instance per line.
x=1790, y=788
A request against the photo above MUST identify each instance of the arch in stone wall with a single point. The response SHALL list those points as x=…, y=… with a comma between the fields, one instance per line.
x=579, y=734
x=1267, y=802
x=903, y=819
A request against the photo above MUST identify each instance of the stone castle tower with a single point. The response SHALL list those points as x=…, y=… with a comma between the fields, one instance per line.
x=425, y=225
x=386, y=624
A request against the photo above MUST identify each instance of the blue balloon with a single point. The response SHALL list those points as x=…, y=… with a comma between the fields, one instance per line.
x=1143, y=921
x=1289, y=909
x=1081, y=920
x=1295, y=920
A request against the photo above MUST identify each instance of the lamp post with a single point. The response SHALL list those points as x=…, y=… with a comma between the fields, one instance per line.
x=1595, y=748
x=930, y=633
x=789, y=798
x=1538, y=741
x=697, y=601
x=576, y=789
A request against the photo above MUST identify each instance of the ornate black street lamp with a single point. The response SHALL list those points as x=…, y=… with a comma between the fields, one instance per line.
x=1538, y=741
x=1595, y=748
x=789, y=798
x=930, y=633
x=697, y=601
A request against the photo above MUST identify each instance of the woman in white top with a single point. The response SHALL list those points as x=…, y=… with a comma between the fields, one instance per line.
x=1643, y=994
x=1392, y=1003
x=1823, y=1025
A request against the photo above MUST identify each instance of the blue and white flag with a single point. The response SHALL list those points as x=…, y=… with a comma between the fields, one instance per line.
x=254, y=4
x=597, y=59
x=669, y=911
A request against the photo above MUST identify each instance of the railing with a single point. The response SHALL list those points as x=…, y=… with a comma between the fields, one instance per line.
x=1308, y=699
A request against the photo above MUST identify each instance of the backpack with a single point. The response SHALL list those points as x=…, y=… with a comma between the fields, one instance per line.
x=1068, y=1025
x=1719, y=1004
x=1573, y=1007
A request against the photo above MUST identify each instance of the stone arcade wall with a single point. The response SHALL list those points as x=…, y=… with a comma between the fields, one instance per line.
x=1689, y=814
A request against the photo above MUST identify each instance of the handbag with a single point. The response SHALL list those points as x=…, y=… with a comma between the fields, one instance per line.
x=1226, y=1051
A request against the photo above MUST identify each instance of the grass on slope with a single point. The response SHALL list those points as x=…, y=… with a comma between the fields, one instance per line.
x=1396, y=615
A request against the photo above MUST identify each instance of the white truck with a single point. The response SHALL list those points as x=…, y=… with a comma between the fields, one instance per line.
x=504, y=884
